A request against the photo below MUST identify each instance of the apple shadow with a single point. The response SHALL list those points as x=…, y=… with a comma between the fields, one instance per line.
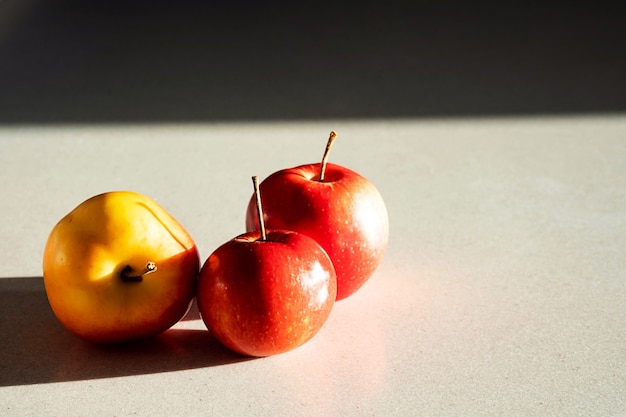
x=35, y=348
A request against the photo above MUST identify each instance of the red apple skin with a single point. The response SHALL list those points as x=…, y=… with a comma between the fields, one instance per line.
x=345, y=214
x=261, y=298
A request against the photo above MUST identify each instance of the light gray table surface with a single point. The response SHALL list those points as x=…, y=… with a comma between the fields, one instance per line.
x=502, y=293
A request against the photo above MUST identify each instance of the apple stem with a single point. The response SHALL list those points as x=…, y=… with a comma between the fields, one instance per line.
x=259, y=207
x=130, y=275
x=331, y=139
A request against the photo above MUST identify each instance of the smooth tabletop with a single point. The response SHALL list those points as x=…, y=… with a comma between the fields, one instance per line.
x=502, y=292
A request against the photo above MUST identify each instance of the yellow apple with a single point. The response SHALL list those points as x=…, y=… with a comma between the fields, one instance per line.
x=119, y=267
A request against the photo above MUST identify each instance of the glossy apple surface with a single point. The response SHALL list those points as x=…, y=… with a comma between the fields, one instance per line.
x=345, y=214
x=94, y=268
x=264, y=297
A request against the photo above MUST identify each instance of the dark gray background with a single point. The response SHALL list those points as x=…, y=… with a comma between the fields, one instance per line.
x=160, y=61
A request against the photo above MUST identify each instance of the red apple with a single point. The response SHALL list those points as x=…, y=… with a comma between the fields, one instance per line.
x=266, y=292
x=339, y=208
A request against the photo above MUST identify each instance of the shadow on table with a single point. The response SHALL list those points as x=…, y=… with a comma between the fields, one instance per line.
x=37, y=349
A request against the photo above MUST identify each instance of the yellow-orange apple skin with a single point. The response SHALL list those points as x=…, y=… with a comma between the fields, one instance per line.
x=91, y=253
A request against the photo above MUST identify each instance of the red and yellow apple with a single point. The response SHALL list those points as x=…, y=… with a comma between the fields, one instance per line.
x=266, y=292
x=339, y=208
x=119, y=267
